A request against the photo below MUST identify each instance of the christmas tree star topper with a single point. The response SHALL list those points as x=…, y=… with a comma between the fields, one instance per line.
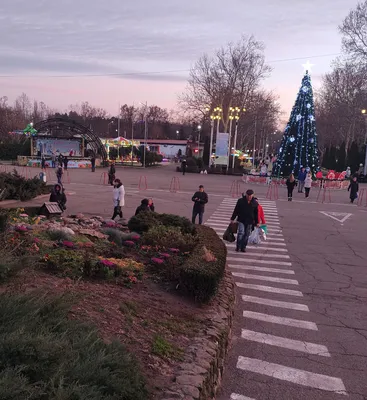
x=307, y=67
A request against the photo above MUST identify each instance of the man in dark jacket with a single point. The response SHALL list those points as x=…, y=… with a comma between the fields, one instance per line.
x=199, y=198
x=144, y=206
x=246, y=212
x=301, y=180
x=58, y=196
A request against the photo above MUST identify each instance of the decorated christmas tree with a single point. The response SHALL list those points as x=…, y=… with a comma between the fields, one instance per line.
x=299, y=144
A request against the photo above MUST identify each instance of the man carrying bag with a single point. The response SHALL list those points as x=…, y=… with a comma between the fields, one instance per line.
x=246, y=212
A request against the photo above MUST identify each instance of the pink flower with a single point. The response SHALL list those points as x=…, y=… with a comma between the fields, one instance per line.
x=36, y=240
x=68, y=244
x=165, y=255
x=174, y=250
x=108, y=263
x=21, y=228
x=135, y=237
x=129, y=243
x=23, y=215
x=157, y=260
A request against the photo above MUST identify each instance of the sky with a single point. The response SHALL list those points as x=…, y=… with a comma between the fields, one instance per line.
x=153, y=45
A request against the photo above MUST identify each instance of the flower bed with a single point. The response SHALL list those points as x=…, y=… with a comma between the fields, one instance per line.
x=131, y=282
x=193, y=261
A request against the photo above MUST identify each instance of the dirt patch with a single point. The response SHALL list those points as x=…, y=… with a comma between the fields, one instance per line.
x=155, y=324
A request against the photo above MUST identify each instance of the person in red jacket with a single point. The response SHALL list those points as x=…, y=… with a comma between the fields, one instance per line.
x=261, y=214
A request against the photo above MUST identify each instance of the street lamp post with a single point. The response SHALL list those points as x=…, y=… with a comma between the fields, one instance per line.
x=365, y=143
x=231, y=117
x=199, y=129
x=215, y=116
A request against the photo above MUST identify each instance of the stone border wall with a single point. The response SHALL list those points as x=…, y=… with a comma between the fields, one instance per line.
x=199, y=377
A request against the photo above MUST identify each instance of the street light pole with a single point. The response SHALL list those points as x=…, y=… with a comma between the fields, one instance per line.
x=211, y=138
x=365, y=142
x=235, y=142
x=118, y=122
x=229, y=137
x=199, y=129
x=254, y=149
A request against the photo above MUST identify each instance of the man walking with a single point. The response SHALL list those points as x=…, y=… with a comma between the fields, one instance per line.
x=199, y=198
x=301, y=180
x=246, y=212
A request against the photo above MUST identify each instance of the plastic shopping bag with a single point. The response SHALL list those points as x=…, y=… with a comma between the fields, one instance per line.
x=229, y=235
x=264, y=228
x=255, y=238
x=262, y=233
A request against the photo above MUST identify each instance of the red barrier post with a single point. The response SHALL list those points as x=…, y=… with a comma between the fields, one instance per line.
x=235, y=189
x=143, y=182
x=104, y=177
x=175, y=185
x=360, y=197
x=67, y=177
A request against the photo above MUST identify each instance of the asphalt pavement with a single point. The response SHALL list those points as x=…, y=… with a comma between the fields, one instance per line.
x=300, y=327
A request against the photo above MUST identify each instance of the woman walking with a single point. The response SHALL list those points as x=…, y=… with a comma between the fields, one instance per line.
x=353, y=188
x=308, y=184
x=291, y=184
x=118, y=198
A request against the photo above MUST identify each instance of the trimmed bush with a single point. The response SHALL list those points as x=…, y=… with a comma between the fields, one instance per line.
x=19, y=188
x=168, y=236
x=199, y=276
x=45, y=355
x=146, y=220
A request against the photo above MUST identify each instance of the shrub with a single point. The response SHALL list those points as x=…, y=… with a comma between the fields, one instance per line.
x=45, y=355
x=4, y=220
x=143, y=222
x=66, y=262
x=167, y=236
x=118, y=237
x=146, y=220
x=182, y=223
x=20, y=188
x=199, y=276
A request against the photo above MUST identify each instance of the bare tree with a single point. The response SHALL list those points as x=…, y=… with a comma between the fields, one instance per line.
x=339, y=103
x=354, y=31
x=228, y=79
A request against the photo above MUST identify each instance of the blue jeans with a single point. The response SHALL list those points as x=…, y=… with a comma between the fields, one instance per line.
x=243, y=234
x=199, y=213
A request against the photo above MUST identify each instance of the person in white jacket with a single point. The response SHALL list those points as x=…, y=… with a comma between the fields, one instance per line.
x=308, y=184
x=118, y=198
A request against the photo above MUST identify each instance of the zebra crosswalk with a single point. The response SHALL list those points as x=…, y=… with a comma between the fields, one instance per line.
x=264, y=278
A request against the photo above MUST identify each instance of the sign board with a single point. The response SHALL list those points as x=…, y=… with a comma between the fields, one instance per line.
x=221, y=149
x=338, y=216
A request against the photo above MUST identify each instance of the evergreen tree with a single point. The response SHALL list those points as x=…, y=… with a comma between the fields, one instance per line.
x=341, y=158
x=326, y=158
x=206, y=151
x=299, y=144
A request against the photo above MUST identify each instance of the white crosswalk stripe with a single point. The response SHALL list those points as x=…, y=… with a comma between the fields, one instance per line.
x=269, y=262
x=300, y=377
x=235, y=396
x=256, y=261
x=266, y=255
x=275, y=303
x=270, y=289
x=298, y=345
x=265, y=278
x=274, y=319
x=263, y=269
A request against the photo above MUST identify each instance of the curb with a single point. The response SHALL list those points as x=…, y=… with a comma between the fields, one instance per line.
x=200, y=376
x=6, y=203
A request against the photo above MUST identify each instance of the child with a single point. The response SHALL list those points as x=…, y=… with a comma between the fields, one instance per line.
x=353, y=188
x=308, y=184
x=291, y=184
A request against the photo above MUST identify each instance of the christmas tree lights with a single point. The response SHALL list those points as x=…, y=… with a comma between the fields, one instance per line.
x=299, y=144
